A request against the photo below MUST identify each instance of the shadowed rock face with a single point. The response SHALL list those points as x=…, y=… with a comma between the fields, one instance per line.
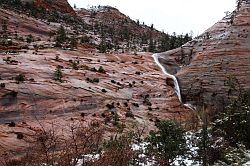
x=211, y=61
x=170, y=65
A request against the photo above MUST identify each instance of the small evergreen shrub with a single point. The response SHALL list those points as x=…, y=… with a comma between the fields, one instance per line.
x=20, y=78
x=129, y=114
x=19, y=135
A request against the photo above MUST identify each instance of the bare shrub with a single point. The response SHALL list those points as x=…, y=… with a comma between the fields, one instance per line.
x=53, y=148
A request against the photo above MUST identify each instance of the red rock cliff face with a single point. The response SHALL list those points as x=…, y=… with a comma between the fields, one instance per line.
x=216, y=63
x=57, y=5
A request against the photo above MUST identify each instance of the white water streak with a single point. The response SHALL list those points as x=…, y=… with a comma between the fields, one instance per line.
x=176, y=85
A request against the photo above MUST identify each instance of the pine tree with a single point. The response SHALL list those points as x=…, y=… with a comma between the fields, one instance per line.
x=164, y=43
x=238, y=2
x=4, y=26
x=58, y=74
x=151, y=47
x=61, y=35
x=152, y=26
x=204, y=139
x=166, y=143
x=73, y=42
x=103, y=47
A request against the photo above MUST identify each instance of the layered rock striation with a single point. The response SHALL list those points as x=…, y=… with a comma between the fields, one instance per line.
x=55, y=5
x=214, y=67
x=94, y=86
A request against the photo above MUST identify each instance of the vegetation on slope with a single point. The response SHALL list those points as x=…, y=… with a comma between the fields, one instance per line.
x=116, y=32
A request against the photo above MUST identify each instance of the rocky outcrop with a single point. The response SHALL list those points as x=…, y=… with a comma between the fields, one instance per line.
x=216, y=65
x=55, y=5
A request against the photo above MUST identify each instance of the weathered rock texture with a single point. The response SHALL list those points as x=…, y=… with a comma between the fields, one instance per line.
x=131, y=83
x=55, y=5
x=216, y=64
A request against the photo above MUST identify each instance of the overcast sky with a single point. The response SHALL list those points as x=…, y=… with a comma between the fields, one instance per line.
x=180, y=16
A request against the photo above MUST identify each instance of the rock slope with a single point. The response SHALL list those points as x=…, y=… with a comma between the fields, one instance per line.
x=55, y=5
x=127, y=84
x=215, y=66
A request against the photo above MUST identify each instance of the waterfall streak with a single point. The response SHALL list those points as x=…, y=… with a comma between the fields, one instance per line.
x=176, y=85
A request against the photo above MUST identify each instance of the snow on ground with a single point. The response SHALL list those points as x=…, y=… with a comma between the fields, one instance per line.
x=180, y=160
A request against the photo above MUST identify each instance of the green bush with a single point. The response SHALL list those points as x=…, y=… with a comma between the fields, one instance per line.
x=57, y=58
x=73, y=42
x=58, y=74
x=166, y=143
x=110, y=106
x=19, y=135
x=2, y=85
x=75, y=65
x=225, y=141
x=102, y=47
x=129, y=114
x=93, y=69
x=29, y=38
x=234, y=123
x=94, y=80
x=101, y=70
x=84, y=39
x=97, y=80
x=61, y=36
x=12, y=124
x=82, y=114
x=20, y=78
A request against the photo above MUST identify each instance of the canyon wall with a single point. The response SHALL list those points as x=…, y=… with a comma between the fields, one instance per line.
x=214, y=68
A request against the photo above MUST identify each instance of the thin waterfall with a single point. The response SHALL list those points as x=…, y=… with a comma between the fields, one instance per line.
x=176, y=84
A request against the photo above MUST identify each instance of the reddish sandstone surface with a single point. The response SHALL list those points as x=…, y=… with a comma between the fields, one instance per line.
x=132, y=82
x=206, y=65
x=40, y=98
x=55, y=5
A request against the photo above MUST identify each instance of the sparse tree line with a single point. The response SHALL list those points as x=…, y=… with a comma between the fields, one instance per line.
x=7, y=37
x=31, y=9
x=112, y=36
x=167, y=42
x=239, y=3
x=134, y=40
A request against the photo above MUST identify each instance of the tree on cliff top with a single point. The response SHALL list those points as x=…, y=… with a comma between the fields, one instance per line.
x=238, y=2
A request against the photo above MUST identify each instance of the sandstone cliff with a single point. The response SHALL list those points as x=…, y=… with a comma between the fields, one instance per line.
x=216, y=65
x=55, y=5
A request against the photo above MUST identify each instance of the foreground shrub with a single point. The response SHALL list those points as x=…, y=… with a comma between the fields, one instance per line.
x=166, y=143
x=234, y=123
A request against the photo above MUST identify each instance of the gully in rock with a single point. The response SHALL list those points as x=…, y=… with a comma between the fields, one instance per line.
x=176, y=84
